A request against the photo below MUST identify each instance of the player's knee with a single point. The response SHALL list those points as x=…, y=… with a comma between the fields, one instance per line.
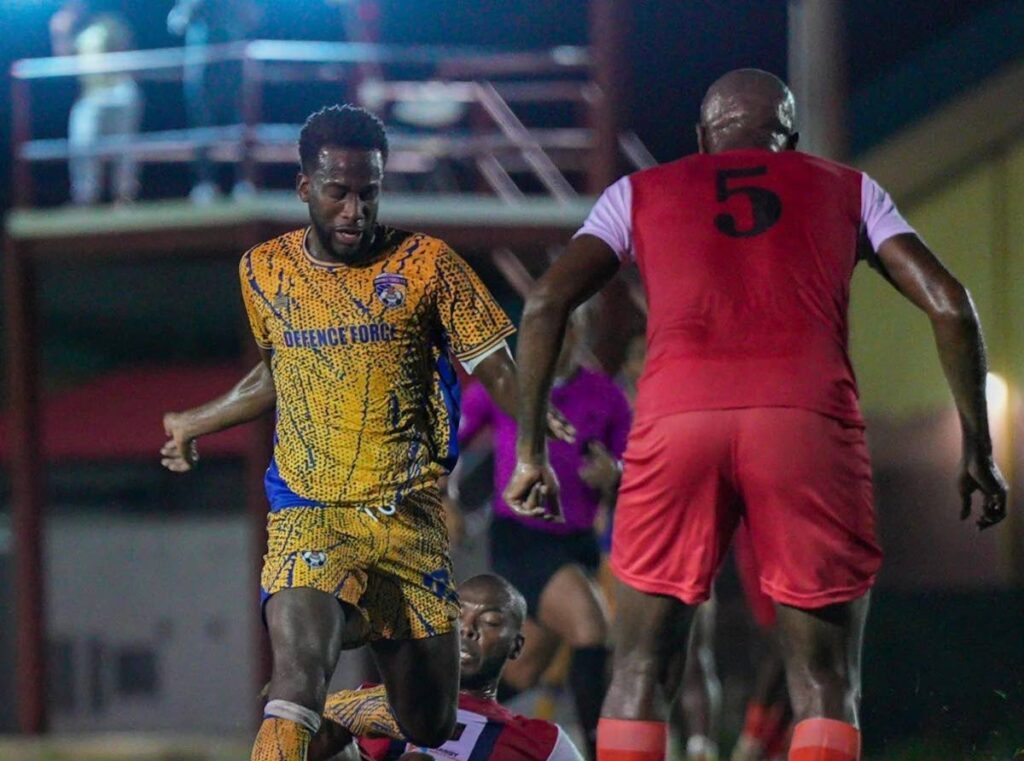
x=824, y=690
x=591, y=631
x=430, y=728
x=639, y=666
x=301, y=681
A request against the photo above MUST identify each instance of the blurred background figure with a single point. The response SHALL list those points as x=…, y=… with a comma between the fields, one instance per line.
x=212, y=89
x=108, y=105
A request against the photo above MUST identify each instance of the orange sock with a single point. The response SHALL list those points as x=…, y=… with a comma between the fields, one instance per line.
x=625, y=740
x=824, y=740
x=281, y=740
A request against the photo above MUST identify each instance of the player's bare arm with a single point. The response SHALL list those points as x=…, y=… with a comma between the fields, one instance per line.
x=498, y=375
x=588, y=264
x=252, y=397
x=918, y=274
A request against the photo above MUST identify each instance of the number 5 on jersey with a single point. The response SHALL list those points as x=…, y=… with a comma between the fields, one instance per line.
x=766, y=207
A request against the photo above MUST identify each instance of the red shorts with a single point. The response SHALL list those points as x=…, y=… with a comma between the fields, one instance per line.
x=801, y=482
x=761, y=606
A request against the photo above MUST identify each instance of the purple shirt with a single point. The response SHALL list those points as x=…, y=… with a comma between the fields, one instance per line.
x=599, y=410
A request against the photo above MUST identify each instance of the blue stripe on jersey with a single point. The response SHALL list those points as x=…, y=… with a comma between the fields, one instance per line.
x=486, y=742
x=453, y=402
x=279, y=494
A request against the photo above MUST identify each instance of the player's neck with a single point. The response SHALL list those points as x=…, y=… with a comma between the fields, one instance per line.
x=321, y=253
x=487, y=691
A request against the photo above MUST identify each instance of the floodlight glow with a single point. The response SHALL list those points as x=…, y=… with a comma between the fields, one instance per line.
x=997, y=392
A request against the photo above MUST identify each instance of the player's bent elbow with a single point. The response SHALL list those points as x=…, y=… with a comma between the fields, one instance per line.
x=544, y=305
x=953, y=305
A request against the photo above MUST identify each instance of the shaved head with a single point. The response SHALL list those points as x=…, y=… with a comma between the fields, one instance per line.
x=497, y=592
x=747, y=108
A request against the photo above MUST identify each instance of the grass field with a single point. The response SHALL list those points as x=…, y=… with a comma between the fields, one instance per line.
x=158, y=748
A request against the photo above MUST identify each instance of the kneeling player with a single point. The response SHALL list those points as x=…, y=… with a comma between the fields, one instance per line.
x=490, y=623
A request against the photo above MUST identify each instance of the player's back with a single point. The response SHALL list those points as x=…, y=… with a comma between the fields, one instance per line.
x=746, y=258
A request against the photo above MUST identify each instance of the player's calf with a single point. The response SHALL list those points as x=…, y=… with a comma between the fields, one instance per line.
x=822, y=653
x=422, y=680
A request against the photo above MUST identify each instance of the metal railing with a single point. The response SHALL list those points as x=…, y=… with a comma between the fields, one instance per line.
x=495, y=147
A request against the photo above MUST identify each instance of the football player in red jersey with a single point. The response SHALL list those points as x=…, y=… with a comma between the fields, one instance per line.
x=747, y=408
x=491, y=618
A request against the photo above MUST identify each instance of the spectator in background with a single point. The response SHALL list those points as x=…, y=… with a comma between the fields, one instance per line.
x=108, y=105
x=212, y=90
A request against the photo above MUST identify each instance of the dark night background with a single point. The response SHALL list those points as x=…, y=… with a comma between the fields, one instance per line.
x=677, y=47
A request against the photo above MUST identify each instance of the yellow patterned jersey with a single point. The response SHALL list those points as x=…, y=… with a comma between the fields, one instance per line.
x=367, y=397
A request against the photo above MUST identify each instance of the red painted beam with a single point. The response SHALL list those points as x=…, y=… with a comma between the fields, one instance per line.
x=27, y=489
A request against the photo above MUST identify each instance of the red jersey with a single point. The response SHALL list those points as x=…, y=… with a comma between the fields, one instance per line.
x=485, y=731
x=746, y=258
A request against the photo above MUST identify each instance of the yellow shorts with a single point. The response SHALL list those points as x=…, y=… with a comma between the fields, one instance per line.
x=394, y=569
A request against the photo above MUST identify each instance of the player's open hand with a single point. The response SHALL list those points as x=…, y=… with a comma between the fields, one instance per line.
x=559, y=427
x=980, y=473
x=600, y=470
x=532, y=492
x=179, y=454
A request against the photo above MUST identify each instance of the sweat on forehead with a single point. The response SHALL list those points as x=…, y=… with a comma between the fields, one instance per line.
x=748, y=94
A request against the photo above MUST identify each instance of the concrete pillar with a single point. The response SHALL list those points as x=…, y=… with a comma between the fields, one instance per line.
x=818, y=75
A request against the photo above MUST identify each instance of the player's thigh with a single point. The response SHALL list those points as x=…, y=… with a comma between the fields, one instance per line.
x=677, y=506
x=410, y=589
x=822, y=653
x=571, y=606
x=806, y=484
x=422, y=680
x=306, y=627
x=318, y=547
x=648, y=630
x=539, y=649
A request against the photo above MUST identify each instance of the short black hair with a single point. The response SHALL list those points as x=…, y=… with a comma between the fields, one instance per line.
x=344, y=126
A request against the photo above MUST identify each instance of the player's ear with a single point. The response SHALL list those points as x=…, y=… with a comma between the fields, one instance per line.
x=701, y=143
x=302, y=186
x=517, y=647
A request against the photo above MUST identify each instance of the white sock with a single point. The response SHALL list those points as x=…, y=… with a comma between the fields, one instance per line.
x=284, y=709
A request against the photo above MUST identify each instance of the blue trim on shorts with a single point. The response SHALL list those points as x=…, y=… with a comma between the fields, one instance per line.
x=279, y=494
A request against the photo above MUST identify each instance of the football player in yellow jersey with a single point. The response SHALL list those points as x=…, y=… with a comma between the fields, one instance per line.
x=356, y=322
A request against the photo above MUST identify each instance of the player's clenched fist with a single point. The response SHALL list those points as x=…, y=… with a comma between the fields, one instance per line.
x=980, y=473
x=532, y=492
x=179, y=454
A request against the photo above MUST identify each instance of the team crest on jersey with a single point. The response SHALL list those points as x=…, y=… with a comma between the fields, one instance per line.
x=314, y=558
x=390, y=289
